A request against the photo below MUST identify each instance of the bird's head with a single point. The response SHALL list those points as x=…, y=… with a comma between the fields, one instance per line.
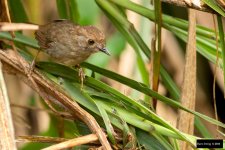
x=94, y=39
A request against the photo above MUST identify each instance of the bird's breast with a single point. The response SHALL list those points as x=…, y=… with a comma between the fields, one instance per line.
x=73, y=61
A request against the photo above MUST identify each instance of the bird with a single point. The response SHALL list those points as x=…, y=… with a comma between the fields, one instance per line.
x=69, y=43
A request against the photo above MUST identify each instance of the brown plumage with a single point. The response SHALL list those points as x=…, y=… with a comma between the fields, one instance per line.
x=69, y=43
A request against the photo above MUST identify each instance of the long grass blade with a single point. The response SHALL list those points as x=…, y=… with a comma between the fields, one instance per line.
x=222, y=45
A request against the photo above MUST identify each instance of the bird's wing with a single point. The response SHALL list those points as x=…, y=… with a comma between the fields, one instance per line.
x=42, y=38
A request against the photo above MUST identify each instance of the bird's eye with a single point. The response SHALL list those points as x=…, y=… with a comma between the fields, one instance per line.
x=91, y=42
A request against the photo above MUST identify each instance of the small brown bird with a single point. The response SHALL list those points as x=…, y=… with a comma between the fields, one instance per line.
x=69, y=43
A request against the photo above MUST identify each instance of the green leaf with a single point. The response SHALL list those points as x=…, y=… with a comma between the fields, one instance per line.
x=20, y=38
x=62, y=9
x=73, y=9
x=17, y=11
x=149, y=142
x=214, y=6
x=222, y=44
x=202, y=129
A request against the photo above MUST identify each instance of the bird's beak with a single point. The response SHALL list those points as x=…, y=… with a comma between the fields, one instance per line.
x=104, y=50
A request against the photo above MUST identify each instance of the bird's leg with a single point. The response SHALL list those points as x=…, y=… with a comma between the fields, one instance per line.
x=81, y=75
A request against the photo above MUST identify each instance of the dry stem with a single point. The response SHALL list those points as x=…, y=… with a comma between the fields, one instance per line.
x=40, y=139
x=182, y=3
x=186, y=120
x=5, y=26
x=7, y=139
x=74, y=142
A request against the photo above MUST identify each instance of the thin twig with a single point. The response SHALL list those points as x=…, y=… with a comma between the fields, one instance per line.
x=5, y=26
x=40, y=139
x=53, y=90
x=74, y=142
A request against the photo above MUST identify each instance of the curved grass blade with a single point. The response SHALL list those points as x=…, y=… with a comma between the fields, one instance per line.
x=20, y=38
x=222, y=44
x=104, y=116
x=214, y=6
